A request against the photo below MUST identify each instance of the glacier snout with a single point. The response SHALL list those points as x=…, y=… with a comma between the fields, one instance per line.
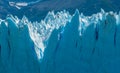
x=87, y=45
x=61, y=43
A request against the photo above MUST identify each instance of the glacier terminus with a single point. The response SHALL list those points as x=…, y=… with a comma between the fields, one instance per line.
x=61, y=43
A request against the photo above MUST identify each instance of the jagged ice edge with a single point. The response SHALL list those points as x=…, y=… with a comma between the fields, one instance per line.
x=40, y=31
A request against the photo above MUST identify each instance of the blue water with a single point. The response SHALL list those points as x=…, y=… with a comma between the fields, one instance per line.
x=38, y=11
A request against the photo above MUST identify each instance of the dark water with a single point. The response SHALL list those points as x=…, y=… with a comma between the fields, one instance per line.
x=38, y=11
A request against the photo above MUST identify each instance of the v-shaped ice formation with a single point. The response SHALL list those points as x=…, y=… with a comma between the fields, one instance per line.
x=61, y=43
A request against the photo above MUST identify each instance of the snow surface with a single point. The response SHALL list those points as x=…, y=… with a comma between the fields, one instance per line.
x=61, y=43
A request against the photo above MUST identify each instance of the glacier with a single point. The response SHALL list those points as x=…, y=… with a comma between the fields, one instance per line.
x=61, y=43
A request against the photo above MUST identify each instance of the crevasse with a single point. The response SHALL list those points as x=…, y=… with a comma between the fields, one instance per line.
x=61, y=43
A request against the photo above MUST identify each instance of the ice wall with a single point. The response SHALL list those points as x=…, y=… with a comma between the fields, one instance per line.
x=61, y=43
x=17, y=53
x=85, y=45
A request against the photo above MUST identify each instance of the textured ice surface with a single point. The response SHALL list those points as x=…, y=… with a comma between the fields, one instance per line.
x=61, y=43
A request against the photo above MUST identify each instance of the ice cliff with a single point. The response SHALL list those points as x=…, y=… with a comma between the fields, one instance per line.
x=61, y=43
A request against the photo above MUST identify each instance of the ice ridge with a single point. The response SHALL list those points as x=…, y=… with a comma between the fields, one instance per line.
x=61, y=43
